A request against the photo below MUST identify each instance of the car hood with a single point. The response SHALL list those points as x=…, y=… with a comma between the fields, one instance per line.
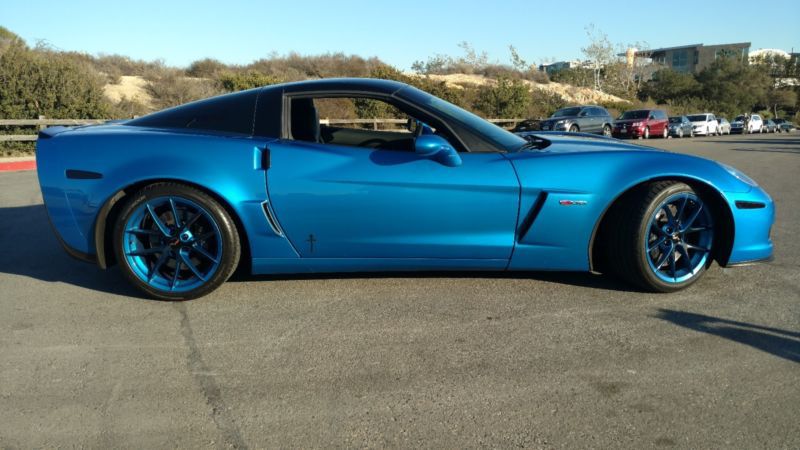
x=576, y=143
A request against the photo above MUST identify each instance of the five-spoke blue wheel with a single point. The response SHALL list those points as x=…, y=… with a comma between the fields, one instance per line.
x=176, y=242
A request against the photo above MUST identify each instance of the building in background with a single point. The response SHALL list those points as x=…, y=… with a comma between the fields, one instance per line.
x=690, y=58
x=554, y=67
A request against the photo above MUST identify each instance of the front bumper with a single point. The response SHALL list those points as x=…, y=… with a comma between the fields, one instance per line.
x=627, y=131
x=753, y=217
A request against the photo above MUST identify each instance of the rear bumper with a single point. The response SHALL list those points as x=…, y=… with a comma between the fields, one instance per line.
x=71, y=251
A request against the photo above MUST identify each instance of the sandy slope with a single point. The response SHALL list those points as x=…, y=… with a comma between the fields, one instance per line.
x=133, y=88
x=571, y=94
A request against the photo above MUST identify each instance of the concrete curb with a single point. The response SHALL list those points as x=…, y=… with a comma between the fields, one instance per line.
x=17, y=164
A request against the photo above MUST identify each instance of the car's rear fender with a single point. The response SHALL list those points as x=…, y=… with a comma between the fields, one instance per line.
x=226, y=167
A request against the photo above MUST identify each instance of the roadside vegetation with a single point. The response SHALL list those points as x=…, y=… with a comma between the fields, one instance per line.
x=41, y=81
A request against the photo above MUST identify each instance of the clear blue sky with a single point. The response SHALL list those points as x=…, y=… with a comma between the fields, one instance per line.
x=399, y=32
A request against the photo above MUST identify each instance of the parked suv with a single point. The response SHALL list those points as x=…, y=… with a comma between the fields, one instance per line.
x=642, y=123
x=587, y=119
x=705, y=124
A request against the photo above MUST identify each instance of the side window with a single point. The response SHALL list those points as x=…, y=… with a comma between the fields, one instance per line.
x=351, y=121
x=602, y=112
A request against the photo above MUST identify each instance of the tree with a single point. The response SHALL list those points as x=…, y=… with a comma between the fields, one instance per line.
x=670, y=85
x=780, y=98
x=517, y=61
x=732, y=86
x=599, y=51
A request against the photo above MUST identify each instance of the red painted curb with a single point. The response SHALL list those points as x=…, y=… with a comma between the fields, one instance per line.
x=18, y=165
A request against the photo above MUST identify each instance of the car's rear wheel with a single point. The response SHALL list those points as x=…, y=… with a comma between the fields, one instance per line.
x=175, y=242
x=665, y=133
x=659, y=237
x=607, y=130
x=680, y=133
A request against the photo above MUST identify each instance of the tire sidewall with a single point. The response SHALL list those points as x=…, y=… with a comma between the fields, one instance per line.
x=231, y=250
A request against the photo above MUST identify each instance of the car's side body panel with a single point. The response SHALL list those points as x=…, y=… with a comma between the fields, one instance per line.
x=349, y=202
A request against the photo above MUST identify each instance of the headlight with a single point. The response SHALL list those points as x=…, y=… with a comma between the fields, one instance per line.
x=739, y=174
x=560, y=122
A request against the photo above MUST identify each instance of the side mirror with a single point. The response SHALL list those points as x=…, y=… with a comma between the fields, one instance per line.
x=437, y=148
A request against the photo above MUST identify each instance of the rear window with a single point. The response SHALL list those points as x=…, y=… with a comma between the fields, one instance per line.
x=231, y=113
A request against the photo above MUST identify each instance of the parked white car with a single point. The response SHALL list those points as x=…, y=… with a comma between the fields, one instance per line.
x=705, y=124
x=755, y=125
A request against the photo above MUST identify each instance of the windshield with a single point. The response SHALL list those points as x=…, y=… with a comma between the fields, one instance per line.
x=698, y=118
x=739, y=119
x=567, y=112
x=638, y=114
x=675, y=120
x=495, y=135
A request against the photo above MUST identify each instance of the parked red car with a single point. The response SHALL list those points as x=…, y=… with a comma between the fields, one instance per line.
x=641, y=123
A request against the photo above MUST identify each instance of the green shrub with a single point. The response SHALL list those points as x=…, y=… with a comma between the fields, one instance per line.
x=36, y=82
x=506, y=99
x=174, y=89
x=206, y=68
x=239, y=81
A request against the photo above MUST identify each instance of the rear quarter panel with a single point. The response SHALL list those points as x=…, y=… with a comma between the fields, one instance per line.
x=228, y=167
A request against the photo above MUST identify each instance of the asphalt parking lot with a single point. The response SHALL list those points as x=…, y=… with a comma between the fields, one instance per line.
x=443, y=360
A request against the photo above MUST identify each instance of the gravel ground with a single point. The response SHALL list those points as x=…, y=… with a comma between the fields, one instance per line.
x=441, y=360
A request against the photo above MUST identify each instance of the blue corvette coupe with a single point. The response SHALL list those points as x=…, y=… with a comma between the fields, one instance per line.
x=180, y=198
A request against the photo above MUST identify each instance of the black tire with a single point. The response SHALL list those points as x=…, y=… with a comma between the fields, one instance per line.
x=231, y=244
x=680, y=133
x=646, y=134
x=625, y=230
x=607, y=130
x=665, y=133
x=574, y=129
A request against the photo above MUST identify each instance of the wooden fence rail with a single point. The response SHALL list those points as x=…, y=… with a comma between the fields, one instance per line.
x=42, y=123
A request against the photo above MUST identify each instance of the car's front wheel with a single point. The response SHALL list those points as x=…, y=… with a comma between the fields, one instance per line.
x=659, y=236
x=574, y=129
x=175, y=242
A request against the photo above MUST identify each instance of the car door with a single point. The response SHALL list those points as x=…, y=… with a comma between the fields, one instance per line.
x=589, y=121
x=338, y=201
